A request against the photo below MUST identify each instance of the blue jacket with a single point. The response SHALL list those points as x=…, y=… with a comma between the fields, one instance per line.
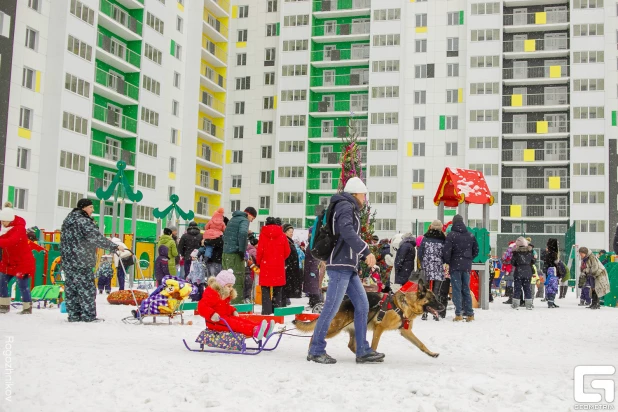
x=350, y=248
x=404, y=260
x=460, y=248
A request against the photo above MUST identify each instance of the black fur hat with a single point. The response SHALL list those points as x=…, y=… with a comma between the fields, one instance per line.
x=552, y=245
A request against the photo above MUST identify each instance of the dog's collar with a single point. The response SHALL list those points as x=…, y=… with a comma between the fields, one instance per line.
x=387, y=303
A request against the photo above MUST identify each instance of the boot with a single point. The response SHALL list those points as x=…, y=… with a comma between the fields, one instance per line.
x=515, y=303
x=551, y=304
x=259, y=331
x=470, y=318
x=27, y=309
x=325, y=359
x=5, y=305
x=424, y=316
x=522, y=303
x=509, y=301
x=528, y=304
x=458, y=318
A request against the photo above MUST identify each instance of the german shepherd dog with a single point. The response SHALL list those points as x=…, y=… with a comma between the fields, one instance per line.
x=411, y=304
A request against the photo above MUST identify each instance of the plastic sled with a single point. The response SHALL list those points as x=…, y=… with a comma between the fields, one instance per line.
x=231, y=342
x=45, y=294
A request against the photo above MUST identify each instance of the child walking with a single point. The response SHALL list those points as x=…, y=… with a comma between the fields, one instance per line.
x=551, y=287
x=105, y=273
x=585, y=283
x=162, y=265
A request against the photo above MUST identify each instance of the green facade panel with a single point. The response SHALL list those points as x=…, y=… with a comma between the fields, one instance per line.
x=442, y=122
x=172, y=47
x=614, y=118
x=259, y=127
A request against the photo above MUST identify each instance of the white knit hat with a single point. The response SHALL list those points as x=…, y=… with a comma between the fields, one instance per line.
x=7, y=215
x=355, y=185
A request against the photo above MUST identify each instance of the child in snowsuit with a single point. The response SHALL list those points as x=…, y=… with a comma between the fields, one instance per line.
x=215, y=227
x=105, y=273
x=162, y=265
x=551, y=287
x=215, y=307
x=197, y=275
x=586, y=284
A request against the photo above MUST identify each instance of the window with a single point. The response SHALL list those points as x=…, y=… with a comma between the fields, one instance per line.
x=242, y=35
x=589, y=57
x=68, y=199
x=486, y=8
x=294, y=70
x=175, y=107
x=486, y=169
x=291, y=171
x=271, y=6
x=234, y=205
x=296, y=120
x=72, y=161
x=420, y=97
x=148, y=148
x=486, y=142
x=385, y=118
x=293, y=95
x=294, y=45
x=239, y=108
x=421, y=20
x=151, y=85
x=385, y=92
x=484, y=61
x=5, y=25
x=589, y=112
x=179, y=23
x=420, y=46
x=267, y=152
x=293, y=146
x=383, y=197
x=178, y=51
x=174, y=137
x=290, y=197
x=23, y=158
x=82, y=12
x=152, y=53
x=264, y=202
x=452, y=69
x=452, y=18
x=592, y=140
x=265, y=177
x=177, y=80
x=418, y=149
x=452, y=47
x=589, y=169
x=383, y=171
x=483, y=115
x=419, y=123
x=387, y=14
x=591, y=226
x=34, y=5
x=384, y=144
x=269, y=103
x=589, y=85
x=153, y=22
x=75, y=123
x=271, y=30
x=452, y=123
x=386, y=40
x=239, y=132
x=418, y=175
x=452, y=96
x=269, y=56
x=298, y=20
x=146, y=180
x=588, y=29
x=241, y=59
x=243, y=83
x=418, y=202
x=385, y=66
x=144, y=213
x=267, y=127
x=150, y=116
x=485, y=35
x=236, y=156
x=420, y=71
x=27, y=79
x=587, y=4
x=451, y=149
x=79, y=48
x=243, y=12
x=484, y=88
x=589, y=197
x=385, y=224
x=269, y=79
x=172, y=165
x=237, y=181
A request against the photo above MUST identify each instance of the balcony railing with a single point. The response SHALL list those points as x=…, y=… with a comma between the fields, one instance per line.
x=213, y=49
x=203, y=152
x=207, y=182
x=533, y=155
x=216, y=24
x=330, y=183
x=536, y=72
x=536, y=45
x=335, y=131
x=524, y=211
x=120, y=16
x=213, y=103
x=205, y=209
x=340, y=106
x=207, y=127
x=544, y=183
x=212, y=75
x=117, y=84
x=360, y=53
x=330, y=158
x=356, y=79
x=113, y=118
x=333, y=5
x=118, y=49
x=548, y=17
x=545, y=99
x=96, y=182
x=342, y=29
x=111, y=152
x=538, y=127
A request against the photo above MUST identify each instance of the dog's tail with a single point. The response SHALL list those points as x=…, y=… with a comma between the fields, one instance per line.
x=305, y=326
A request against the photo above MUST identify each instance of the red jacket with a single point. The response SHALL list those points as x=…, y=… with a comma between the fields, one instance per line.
x=212, y=303
x=17, y=259
x=272, y=251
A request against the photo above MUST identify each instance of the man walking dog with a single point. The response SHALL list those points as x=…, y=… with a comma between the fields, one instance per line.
x=342, y=268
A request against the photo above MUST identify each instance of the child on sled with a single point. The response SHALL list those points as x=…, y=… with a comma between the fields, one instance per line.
x=215, y=307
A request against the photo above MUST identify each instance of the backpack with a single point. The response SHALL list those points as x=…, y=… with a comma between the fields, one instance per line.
x=323, y=240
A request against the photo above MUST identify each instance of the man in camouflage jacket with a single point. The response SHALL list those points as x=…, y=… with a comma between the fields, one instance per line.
x=79, y=242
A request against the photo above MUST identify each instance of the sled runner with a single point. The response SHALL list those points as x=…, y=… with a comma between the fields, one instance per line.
x=231, y=342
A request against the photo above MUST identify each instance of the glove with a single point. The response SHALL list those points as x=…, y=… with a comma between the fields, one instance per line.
x=235, y=313
x=215, y=317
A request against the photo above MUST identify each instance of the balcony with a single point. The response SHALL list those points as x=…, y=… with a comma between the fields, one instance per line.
x=204, y=210
x=519, y=3
x=547, y=102
x=335, y=134
x=213, y=54
x=326, y=185
x=329, y=82
x=214, y=28
x=132, y=4
x=333, y=32
x=536, y=129
x=341, y=8
x=220, y=8
x=524, y=157
x=95, y=183
x=206, y=184
x=116, y=54
x=115, y=88
x=341, y=57
x=549, y=184
x=524, y=75
x=209, y=158
x=209, y=132
x=109, y=120
x=314, y=210
x=539, y=21
x=535, y=212
x=211, y=106
x=107, y=154
x=340, y=108
x=536, y=48
x=328, y=159
x=211, y=79
x=119, y=22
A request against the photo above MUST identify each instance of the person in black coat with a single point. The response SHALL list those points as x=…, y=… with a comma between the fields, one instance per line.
x=616, y=241
x=404, y=259
x=190, y=241
x=293, y=277
x=522, y=261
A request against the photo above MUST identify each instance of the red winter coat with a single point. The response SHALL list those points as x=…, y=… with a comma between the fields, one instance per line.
x=212, y=303
x=17, y=258
x=272, y=251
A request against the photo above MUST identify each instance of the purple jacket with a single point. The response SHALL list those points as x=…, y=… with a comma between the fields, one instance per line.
x=161, y=264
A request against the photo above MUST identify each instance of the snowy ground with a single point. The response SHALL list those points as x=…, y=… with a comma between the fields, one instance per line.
x=505, y=361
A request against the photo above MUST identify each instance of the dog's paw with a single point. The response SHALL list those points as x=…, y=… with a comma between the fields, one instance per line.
x=434, y=355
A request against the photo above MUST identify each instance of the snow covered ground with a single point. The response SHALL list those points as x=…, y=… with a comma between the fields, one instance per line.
x=504, y=361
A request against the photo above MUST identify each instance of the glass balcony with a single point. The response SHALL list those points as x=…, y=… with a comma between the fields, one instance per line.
x=536, y=19
x=327, y=183
x=206, y=182
x=118, y=49
x=536, y=183
x=355, y=105
x=204, y=209
x=536, y=211
x=341, y=29
x=111, y=152
x=120, y=16
x=546, y=99
x=328, y=131
x=212, y=75
x=536, y=72
x=535, y=155
x=535, y=127
x=217, y=106
x=216, y=25
x=210, y=129
x=113, y=118
x=116, y=84
x=213, y=49
x=557, y=44
x=340, y=55
x=209, y=155
x=335, y=5
x=329, y=79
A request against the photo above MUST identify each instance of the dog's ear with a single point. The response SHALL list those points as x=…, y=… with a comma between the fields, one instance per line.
x=422, y=287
